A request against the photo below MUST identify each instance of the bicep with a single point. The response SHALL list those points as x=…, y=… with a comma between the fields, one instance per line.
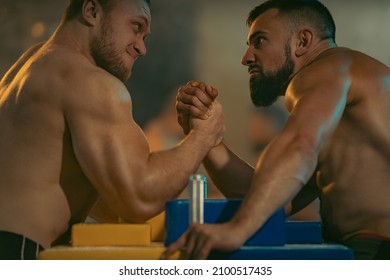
x=108, y=145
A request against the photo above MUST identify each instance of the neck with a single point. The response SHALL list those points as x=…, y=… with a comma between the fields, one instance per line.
x=317, y=50
x=73, y=35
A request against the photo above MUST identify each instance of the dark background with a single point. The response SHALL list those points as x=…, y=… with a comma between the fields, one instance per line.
x=167, y=64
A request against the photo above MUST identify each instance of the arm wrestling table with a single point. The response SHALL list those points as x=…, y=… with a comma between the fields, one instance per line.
x=276, y=240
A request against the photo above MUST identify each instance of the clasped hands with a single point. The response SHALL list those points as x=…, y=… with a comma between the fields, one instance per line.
x=196, y=103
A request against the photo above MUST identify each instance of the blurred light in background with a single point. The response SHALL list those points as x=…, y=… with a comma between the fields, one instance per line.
x=38, y=30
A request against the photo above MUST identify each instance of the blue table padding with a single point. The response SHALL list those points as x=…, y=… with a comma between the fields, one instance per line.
x=287, y=252
x=218, y=211
x=298, y=232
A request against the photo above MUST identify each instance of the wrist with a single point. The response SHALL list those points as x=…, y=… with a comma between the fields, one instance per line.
x=203, y=142
x=237, y=230
x=218, y=151
x=242, y=231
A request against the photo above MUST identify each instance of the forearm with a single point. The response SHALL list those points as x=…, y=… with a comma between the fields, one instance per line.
x=138, y=189
x=230, y=173
x=173, y=167
x=164, y=176
x=285, y=166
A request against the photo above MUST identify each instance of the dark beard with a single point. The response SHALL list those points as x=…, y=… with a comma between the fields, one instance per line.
x=105, y=56
x=266, y=88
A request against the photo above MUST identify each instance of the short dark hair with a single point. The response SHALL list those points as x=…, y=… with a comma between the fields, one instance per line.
x=298, y=13
x=74, y=7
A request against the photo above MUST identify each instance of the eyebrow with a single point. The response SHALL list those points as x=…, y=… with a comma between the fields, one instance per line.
x=143, y=18
x=254, y=36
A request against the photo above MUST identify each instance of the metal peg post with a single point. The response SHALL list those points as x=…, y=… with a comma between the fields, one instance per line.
x=198, y=193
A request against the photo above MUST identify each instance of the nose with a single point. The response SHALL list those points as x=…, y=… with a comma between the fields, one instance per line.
x=248, y=58
x=140, y=47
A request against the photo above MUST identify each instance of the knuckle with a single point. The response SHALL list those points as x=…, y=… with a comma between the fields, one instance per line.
x=191, y=82
x=194, y=99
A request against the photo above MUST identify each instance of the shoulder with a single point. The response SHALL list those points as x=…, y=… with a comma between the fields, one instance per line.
x=331, y=70
x=71, y=79
x=99, y=83
x=87, y=90
x=331, y=64
x=98, y=90
x=12, y=72
x=78, y=79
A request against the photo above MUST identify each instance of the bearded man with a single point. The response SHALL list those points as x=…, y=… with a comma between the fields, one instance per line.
x=335, y=144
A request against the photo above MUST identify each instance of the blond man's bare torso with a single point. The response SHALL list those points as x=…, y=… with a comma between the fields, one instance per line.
x=39, y=173
x=354, y=165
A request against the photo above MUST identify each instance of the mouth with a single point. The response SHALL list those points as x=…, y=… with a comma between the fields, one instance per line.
x=132, y=56
x=254, y=74
x=253, y=70
x=130, y=60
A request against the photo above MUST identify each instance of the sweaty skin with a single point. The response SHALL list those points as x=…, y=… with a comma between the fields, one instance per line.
x=67, y=133
x=337, y=134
